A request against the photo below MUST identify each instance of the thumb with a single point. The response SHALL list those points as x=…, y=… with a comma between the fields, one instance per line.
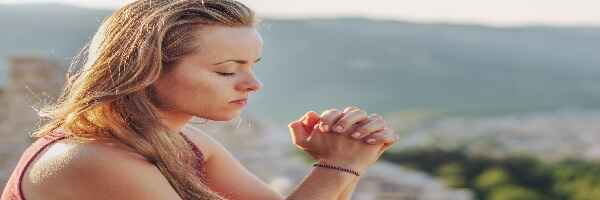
x=311, y=118
x=298, y=132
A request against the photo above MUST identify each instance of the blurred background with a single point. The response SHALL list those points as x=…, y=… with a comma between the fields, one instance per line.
x=494, y=100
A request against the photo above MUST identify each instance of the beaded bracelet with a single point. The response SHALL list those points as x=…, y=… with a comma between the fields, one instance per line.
x=330, y=166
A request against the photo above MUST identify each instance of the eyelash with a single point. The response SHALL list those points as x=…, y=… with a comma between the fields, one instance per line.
x=226, y=74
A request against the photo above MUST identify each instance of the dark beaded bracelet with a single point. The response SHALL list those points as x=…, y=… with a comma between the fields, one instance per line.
x=330, y=166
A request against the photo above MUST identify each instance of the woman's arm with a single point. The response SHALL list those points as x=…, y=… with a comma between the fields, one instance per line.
x=311, y=118
x=225, y=172
x=231, y=179
x=322, y=184
x=347, y=193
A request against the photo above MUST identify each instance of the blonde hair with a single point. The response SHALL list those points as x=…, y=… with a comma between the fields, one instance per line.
x=112, y=97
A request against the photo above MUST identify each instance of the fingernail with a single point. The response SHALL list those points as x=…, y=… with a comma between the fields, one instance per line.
x=356, y=135
x=325, y=128
x=339, y=129
x=371, y=141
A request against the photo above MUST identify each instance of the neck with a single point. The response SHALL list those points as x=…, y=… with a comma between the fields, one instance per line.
x=174, y=120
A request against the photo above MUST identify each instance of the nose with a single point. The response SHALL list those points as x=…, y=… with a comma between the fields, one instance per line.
x=251, y=84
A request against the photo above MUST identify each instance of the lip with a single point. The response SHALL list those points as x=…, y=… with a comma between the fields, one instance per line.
x=240, y=102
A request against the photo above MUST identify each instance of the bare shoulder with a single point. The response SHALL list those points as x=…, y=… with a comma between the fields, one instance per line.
x=68, y=170
x=207, y=144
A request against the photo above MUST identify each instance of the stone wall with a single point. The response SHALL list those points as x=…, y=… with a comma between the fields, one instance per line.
x=4, y=154
x=3, y=107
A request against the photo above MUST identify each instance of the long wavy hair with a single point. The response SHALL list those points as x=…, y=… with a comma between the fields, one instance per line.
x=109, y=88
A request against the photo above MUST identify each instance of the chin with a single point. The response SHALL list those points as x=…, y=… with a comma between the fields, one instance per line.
x=223, y=117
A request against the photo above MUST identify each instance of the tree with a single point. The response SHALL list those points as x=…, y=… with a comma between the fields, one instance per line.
x=512, y=192
x=492, y=178
x=453, y=175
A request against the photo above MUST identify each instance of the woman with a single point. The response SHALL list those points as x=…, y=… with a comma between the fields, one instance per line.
x=117, y=130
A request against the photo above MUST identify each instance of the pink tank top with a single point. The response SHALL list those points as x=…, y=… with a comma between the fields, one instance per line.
x=13, y=191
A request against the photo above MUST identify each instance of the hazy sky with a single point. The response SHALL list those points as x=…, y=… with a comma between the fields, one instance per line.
x=496, y=12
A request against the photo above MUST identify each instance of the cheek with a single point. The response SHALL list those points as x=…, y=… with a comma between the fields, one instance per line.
x=174, y=89
x=197, y=92
x=199, y=89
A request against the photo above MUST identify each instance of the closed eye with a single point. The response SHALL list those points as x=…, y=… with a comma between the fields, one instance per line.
x=225, y=74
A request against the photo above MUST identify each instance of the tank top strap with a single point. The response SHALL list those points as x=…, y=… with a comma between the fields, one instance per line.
x=13, y=189
x=201, y=170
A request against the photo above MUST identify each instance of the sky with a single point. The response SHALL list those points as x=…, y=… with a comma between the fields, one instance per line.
x=487, y=12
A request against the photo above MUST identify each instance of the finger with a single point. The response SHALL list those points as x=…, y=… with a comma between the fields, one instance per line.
x=350, y=108
x=374, y=123
x=328, y=118
x=311, y=119
x=386, y=136
x=346, y=122
x=387, y=146
x=298, y=133
x=355, y=125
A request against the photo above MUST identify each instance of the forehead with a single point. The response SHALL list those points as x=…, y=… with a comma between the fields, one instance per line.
x=219, y=42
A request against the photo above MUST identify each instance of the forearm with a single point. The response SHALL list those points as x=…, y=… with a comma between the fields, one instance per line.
x=322, y=184
x=349, y=190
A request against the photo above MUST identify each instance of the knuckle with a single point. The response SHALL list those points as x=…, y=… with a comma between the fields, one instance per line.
x=379, y=134
x=389, y=133
x=343, y=123
x=357, y=115
x=374, y=115
x=329, y=112
x=392, y=131
x=345, y=118
x=390, y=140
x=292, y=124
x=395, y=138
x=334, y=114
x=349, y=108
x=377, y=120
x=390, y=137
x=363, y=124
x=363, y=130
x=374, y=121
x=334, y=111
x=362, y=117
x=380, y=124
x=371, y=138
x=361, y=112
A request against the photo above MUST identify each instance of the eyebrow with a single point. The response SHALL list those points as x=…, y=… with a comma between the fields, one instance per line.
x=238, y=61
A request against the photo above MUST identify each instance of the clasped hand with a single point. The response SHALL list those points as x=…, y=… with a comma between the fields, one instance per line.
x=350, y=137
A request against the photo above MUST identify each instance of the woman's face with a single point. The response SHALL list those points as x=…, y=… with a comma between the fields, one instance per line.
x=205, y=83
